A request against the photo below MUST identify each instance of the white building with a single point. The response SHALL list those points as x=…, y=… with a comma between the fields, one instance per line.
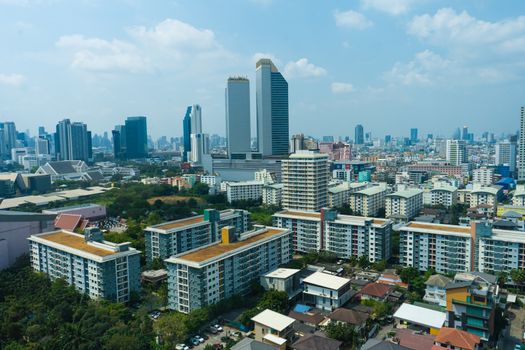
x=284, y=280
x=273, y=328
x=212, y=181
x=435, y=292
x=305, y=175
x=404, y=204
x=488, y=195
x=441, y=194
x=244, y=190
x=266, y=176
x=367, y=202
x=272, y=194
x=339, y=195
x=326, y=291
x=506, y=154
x=521, y=147
x=457, y=152
x=483, y=176
x=518, y=198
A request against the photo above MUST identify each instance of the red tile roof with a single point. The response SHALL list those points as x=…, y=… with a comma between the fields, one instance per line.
x=68, y=222
x=377, y=290
x=409, y=339
x=457, y=338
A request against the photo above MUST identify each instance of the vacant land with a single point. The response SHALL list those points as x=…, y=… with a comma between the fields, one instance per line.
x=174, y=199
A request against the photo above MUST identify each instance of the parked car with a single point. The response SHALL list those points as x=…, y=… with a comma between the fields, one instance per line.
x=181, y=347
x=213, y=330
x=219, y=328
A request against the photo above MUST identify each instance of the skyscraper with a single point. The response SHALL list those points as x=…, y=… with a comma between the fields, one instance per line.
x=238, y=129
x=72, y=141
x=186, y=130
x=506, y=154
x=8, y=138
x=305, y=176
x=199, y=142
x=359, y=135
x=196, y=119
x=413, y=135
x=272, y=109
x=456, y=152
x=136, y=137
x=521, y=148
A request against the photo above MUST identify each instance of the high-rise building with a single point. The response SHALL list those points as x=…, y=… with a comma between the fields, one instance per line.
x=305, y=175
x=119, y=142
x=7, y=138
x=456, y=152
x=272, y=109
x=196, y=119
x=297, y=143
x=199, y=142
x=136, y=137
x=521, y=149
x=72, y=141
x=186, y=129
x=506, y=154
x=359, y=135
x=238, y=115
x=42, y=146
x=464, y=134
x=413, y=135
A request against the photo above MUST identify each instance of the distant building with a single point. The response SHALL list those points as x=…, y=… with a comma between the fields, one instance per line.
x=272, y=194
x=244, y=190
x=72, y=141
x=136, y=138
x=238, y=115
x=521, y=148
x=90, y=211
x=483, y=176
x=506, y=154
x=98, y=268
x=336, y=151
x=186, y=127
x=457, y=152
x=359, y=138
x=441, y=194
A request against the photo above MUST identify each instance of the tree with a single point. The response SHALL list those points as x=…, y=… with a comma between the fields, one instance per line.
x=343, y=332
x=363, y=262
x=274, y=300
x=172, y=328
x=518, y=276
x=408, y=274
x=502, y=277
x=379, y=266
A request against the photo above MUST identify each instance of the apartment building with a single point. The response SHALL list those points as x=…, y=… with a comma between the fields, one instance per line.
x=339, y=194
x=518, y=198
x=367, y=202
x=100, y=269
x=404, y=205
x=325, y=291
x=272, y=194
x=209, y=274
x=174, y=237
x=441, y=194
x=244, y=190
x=483, y=176
x=489, y=195
x=343, y=235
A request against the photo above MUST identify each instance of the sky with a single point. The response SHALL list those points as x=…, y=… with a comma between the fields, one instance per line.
x=389, y=65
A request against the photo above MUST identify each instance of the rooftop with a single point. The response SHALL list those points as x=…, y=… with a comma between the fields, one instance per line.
x=437, y=227
x=458, y=338
x=316, y=342
x=75, y=241
x=438, y=280
x=420, y=316
x=326, y=280
x=282, y=273
x=180, y=223
x=273, y=320
x=202, y=254
x=370, y=191
x=406, y=193
x=300, y=213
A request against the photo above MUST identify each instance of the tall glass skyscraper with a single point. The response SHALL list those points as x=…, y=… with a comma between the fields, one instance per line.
x=72, y=141
x=413, y=135
x=238, y=129
x=359, y=135
x=186, y=130
x=136, y=137
x=272, y=109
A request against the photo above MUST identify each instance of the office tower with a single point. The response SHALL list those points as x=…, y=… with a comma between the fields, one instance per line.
x=413, y=135
x=456, y=152
x=41, y=131
x=199, y=142
x=186, y=129
x=388, y=139
x=72, y=141
x=42, y=146
x=97, y=268
x=305, y=175
x=238, y=115
x=465, y=135
x=506, y=154
x=136, y=137
x=196, y=119
x=8, y=138
x=119, y=142
x=359, y=135
x=521, y=150
x=297, y=143
x=272, y=110
x=457, y=134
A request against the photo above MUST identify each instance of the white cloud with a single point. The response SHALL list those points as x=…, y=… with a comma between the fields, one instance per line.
x=425, y=69
x=258, y=55
x=342, y=88
x=351, y=19
x=392, y=7
x=12, y=79
x=302, y=69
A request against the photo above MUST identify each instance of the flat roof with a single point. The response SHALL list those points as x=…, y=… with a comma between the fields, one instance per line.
x=326, y=280
x=180, y=223
x=438, y=227
x=211, y=251
x=307, y=214
x=274, y=339
x=371, y=190
x=75, y=241
x=282, y=273
x=421, y=316
x=273, y=320
x=406, y=193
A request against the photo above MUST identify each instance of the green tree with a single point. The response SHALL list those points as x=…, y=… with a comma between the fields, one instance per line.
x=342, y=332
x=363, y=262
x=172, y=328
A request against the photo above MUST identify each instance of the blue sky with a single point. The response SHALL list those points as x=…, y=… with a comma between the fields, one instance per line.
x=387, y=64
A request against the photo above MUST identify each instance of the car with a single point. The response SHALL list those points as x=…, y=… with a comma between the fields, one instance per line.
x=195, y=341
x=219, y=328
x=213, y=330
x=517, y=347
x=199, y=338
x=181, y=347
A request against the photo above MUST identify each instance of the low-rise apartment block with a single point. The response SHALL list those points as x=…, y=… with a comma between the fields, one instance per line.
x=209, y=274
x=404, y=205
x=174, y=237
x=339, y=194
x=326, y=291
x=272, y=194
x=344, y=235
x=367, y=202
x=244, y=190
x=100, y=269
x=442, y=194
x=518, y=198
x=284, y=280
x=489, y=195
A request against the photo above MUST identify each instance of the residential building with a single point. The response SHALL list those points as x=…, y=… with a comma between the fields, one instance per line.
x=489, y=195
x=284, y=280
x=518, y=199
x=404, y=204
x=305, y=176
x=251, y=344
x=186, y=127
x=457, y=339
x=72, y=141
x=316, y=342
x=457, y=152
x=521, y=147
x=7, y=139
x=437, y=168
x=418, y=317
x=369, y=201
x=136, y=137
x=272, y=194
x=435, y=292
x=238, y=129
x=244, y=190
x=375, y=291
x=15, y=228
x=266, y=176
x=483, y=176
x=343, y=235
x=271, y=94
x=506, y=154
x=175, y=237
x=100, y=269
x=339, y=195
x=273, y=328
x=336, y=150
x=354, y=318
x=325, y=291
x=442, y=194
x=214, y=272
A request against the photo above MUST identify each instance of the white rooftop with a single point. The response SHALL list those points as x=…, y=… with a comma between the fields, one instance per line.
x=421, y=316
x=406, y=193
x=370, y=191
x=282, y=273
x=274, y=339
x=326, y=280
x=273, y=320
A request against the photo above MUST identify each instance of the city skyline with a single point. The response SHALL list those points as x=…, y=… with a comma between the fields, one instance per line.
x=409, y=63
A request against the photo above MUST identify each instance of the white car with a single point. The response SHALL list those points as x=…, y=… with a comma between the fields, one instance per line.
x=181, y=347
x=217, y=327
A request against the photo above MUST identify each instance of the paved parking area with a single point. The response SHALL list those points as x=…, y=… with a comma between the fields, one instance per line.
x=514, y=335
x=216, y=338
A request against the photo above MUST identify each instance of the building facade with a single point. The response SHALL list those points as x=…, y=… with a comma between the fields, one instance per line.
x=136, y=137
x=404, y=205
x=369, y=201
x=244, y=190
x=238, y=129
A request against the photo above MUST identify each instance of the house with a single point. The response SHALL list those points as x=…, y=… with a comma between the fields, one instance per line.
x=426, y=319
x=392, y=280
x=284, y=280
x=306, y=315
x=251, y=344
x=349, y=316
x=435, y=292
x=273, y=328
x=452, y=338
x=375, y=291
x=374, y=344
x=71, y=222
x=316, y=342
x=326, y=291
x=414, y=340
